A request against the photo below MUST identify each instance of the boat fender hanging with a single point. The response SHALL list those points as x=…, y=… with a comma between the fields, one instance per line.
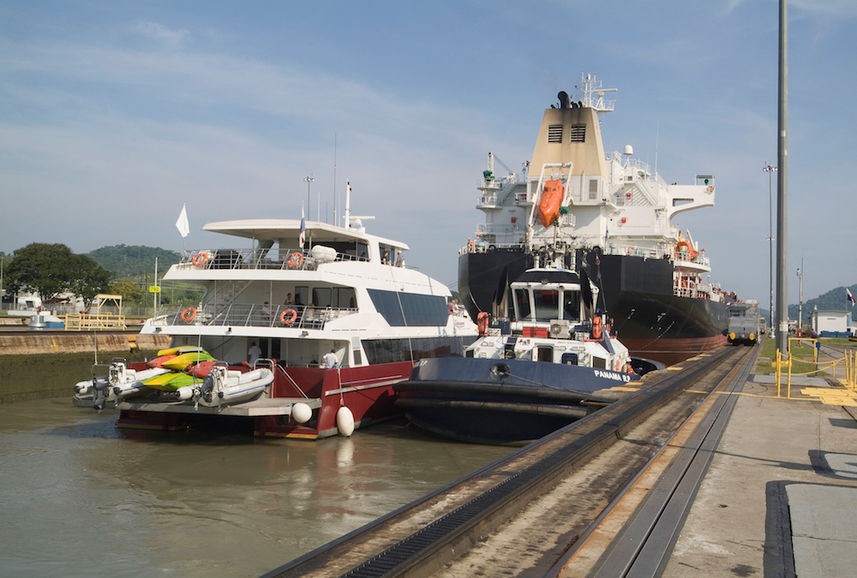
x=188, y=314
x=296, y=259
x=596, y=328
x=301, y=412
x=482, y=323
x=199, y=259
x=345, y=421
x=288, y=316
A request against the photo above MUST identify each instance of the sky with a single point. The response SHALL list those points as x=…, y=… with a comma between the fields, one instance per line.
x=114, y=113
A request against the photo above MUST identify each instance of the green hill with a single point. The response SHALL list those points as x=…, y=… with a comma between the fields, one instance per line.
x=125, y=261
x=833, y=300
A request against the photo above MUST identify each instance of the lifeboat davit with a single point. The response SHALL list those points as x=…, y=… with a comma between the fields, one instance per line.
x=552, y=196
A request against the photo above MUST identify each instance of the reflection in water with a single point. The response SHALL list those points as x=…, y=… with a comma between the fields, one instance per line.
x=84, y=498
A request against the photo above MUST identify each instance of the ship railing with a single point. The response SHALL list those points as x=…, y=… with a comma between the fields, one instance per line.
x=252, y=315
x=295, y=259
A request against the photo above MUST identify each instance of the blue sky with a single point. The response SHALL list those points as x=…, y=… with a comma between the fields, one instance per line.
x=114, y=113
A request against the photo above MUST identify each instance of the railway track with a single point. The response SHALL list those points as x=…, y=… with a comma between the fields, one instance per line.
x=528, y=514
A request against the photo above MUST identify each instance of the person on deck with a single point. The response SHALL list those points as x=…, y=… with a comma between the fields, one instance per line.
x=254, y=353
x=329, y=359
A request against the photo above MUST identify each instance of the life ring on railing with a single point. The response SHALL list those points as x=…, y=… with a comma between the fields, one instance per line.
x=188, y=314
x=482, y=323
x=709, y=189
x=199, y=259
x=296, y=259
x=288, y=316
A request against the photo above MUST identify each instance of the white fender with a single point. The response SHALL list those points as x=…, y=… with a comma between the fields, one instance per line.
x=184, y=393
x=345, y=421
x=301, y=412
x=83, y=387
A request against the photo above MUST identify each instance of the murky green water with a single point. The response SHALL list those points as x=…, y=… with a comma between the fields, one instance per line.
x=83, y=498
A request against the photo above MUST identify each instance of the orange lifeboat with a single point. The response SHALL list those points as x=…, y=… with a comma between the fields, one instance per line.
x=552, y=196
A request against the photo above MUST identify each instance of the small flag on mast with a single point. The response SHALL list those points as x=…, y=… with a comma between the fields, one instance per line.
x=302, y=238
x=850, y=296
x=181, y=224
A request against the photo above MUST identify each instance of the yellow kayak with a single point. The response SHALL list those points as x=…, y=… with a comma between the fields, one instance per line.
x=185, y=360
x=179, y=350
x=171, y=381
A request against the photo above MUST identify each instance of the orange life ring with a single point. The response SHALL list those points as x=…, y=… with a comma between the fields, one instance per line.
x=288, y=316
x=482, y=323
x=188, y=314
x=199, y=259
x=296, y=259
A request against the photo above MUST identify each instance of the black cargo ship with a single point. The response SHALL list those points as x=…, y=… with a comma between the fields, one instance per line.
x=612, y=221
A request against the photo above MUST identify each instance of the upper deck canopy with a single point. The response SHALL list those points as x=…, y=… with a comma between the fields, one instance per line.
x=279, y=229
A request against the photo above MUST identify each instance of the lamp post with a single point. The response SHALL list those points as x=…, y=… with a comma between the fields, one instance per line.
x=771, y=169
x=309, y=181
x=800, y=300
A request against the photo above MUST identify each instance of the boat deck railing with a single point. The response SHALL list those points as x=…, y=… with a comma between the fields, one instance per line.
x=285, y=259
x=244, y=315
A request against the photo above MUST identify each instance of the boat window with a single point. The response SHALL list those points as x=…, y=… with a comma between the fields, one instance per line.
x=392, y=350
x=571, y=305
x=410, y=309
x=544, y=354
x=547, y=304
x=599, y=362
x=522, y=303
x=569, y=358
x=321, y=297
x=343, y=298
x=302, y=295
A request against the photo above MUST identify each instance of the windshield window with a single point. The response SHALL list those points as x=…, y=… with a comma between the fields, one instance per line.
x=546, y=304
x=522, y=303
x=571, y=305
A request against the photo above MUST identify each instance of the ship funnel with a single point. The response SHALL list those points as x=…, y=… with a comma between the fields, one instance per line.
x=629, y=150
x=563, y=99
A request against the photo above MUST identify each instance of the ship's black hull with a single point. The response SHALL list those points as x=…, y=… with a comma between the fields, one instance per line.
x=636, y=293
x=467, y=400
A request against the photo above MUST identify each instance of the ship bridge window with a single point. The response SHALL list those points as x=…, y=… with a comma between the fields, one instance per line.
x=410, y=309
x=522, y=303
x=555, y=133
x=578, y=133
x=546, y=304
x=571, y=305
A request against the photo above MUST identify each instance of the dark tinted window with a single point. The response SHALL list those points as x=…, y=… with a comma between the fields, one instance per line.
x=410, y=309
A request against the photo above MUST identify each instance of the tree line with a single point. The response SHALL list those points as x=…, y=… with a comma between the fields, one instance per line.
x=50, y=270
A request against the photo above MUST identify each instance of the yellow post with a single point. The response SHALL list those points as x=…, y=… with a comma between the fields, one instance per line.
x=777, y=369
x=789, y=382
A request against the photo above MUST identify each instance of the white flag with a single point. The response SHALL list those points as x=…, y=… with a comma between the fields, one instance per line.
x=182, y=224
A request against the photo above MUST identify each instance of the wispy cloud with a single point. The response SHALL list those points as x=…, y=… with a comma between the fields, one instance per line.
x=167, y=37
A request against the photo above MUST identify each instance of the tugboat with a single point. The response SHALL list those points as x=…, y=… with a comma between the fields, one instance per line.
x=557, y=360
x=609, y=216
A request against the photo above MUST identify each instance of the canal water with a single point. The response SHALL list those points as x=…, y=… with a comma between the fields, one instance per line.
x=81, y=497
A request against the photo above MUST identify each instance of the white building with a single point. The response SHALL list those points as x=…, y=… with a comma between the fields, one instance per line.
x=831, y=323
